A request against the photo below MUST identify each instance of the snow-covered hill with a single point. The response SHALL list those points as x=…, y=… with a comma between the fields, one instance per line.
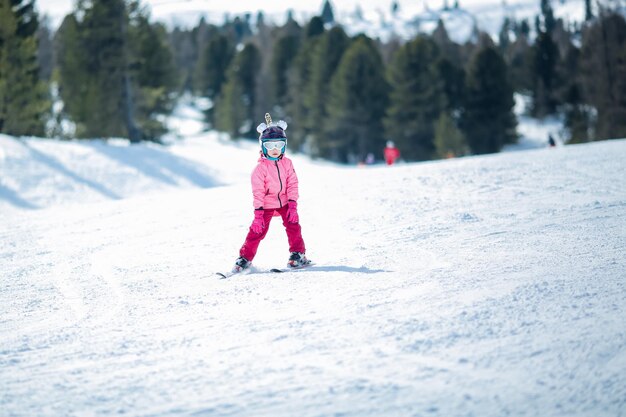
x=374, y=17
x=483, y=286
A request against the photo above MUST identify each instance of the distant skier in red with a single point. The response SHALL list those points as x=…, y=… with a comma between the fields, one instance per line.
x=391, y=153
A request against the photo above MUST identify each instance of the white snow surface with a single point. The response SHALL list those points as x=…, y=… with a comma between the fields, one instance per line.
x=479, y=286
x=533, y=133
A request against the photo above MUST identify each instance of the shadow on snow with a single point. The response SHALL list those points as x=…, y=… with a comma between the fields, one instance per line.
x=157, y=164
x=339, y=268
x=150, y=161
x=13, y=198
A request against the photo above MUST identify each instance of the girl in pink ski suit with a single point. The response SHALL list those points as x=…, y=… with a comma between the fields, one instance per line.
x=275, y=193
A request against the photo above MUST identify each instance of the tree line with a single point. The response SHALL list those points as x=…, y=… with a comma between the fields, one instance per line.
x=118, y=74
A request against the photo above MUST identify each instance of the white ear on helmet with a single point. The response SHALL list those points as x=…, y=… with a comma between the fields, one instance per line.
x=260, y=128
x=282, y=124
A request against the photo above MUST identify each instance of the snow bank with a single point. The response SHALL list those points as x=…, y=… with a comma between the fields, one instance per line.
x=40, y=173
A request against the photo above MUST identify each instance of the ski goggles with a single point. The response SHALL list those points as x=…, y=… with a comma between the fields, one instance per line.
x=269, y=145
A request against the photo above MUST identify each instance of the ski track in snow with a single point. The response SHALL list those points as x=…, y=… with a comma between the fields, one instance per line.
x=483, y=286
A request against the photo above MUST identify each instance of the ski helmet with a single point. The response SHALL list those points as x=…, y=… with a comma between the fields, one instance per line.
x=271, y=131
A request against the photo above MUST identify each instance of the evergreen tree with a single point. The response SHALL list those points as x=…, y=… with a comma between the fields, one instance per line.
x=603, y=63
x=45, y=49
x=563, y=39
x=265, y=99
x=285, y=51
x=314, y=28
x=279, y=46
x=93, y=70
x=260, y=19
x=483, y=40
x=545, y=55
x=199, y=39
x=417, y=98
x=328, y=17
x=250, y=61
x=453, y=79
x=576, y=111
x=356, y=102
x=518, y=57
x=297, y=79
x=239, y=29
x=588, y=12
x=155, y=75
x=488, y=121
x=524, y=28
x=74, y=81
x=549, y=21
x=295, y=110
x=116, y=73
x=235, y=107
x=325, y=61
x=448, y=49
x=24, y=99
x=27, y=19
x=577, y=116
x=213, y=62
x=449, y=140
x=504, y=39
x=183, y=48
x=231, y=109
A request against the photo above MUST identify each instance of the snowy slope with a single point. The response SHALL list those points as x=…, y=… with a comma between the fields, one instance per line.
x=482, y=286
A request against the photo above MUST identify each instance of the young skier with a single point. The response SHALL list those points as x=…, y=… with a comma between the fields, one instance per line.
x=275, y=193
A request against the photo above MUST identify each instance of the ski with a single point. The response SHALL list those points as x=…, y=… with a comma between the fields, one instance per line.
x=226, y=275
x=222, y=275
x=289, y=269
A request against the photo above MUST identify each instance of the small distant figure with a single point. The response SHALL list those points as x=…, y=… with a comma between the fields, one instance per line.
x=551, y=141
x=391, y=153
x=368, y=160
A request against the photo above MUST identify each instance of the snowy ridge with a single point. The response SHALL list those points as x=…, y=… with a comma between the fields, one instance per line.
x=488, y=286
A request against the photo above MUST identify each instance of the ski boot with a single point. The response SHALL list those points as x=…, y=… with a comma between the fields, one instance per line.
x=241, y=264
x=297, y=260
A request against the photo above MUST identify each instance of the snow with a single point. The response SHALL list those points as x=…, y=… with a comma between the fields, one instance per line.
x=479, y=286
x=534, y=133
x=373, y=17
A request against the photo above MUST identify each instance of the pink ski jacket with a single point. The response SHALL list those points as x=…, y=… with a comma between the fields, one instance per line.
x=274, y=183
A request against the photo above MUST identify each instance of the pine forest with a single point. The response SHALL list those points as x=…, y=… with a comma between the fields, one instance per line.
x=109, y=70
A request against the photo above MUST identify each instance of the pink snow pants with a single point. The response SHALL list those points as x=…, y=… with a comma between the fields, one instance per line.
x=294, y=234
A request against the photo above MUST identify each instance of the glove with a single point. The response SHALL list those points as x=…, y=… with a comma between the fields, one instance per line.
x=258, y=224
x=292, y=212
